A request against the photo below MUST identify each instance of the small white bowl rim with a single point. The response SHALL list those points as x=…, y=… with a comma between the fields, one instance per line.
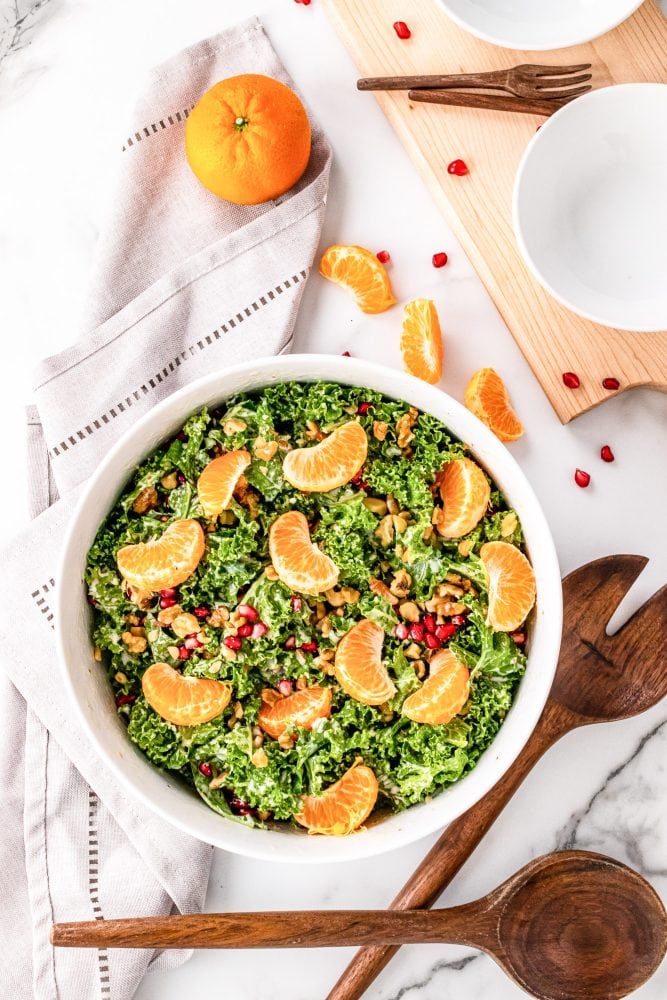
x=600, y=93
x=536, y=45
x=418, y=821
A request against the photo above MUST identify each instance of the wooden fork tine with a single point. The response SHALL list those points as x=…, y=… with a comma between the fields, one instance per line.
x=554, y=82
x=566, y=95
x=540, y=71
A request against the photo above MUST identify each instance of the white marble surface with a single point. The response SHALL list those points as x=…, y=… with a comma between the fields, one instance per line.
x=69, y=71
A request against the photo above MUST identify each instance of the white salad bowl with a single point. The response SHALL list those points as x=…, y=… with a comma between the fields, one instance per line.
x=89, y=689
x=590, y=206
x=531, y=25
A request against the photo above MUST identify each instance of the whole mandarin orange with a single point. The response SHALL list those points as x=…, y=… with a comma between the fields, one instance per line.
x=248, y=139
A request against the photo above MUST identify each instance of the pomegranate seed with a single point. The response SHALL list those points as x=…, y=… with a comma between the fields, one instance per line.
x=346, y=354
x=402, y=631
x=363, y=408
x=432, y=642
x=458, y=620
x=244, y=631
x=308, y=647
x=304, y=3
x=181, y=479
x=571, y=380
x=201, y=612
x=258, y=630
x=383, y=256
x=296, y=603
x=233, y=642
x=417, y=632
x=192, y=642
x=167, y=602
x=164, y=518
x=458, y=167
x=237, y=805
x=402, y=30
x=582, y=478
x=91, y=600
x=169, y=592
x=606, y=454
x=125, y=699
x=519, y=638
x=206, y=769
x=248, y=612
x=285, y=687
x=440, y=259
x=430, y=622
x=445, y=632
x=290, y=642
x=182, y=436
x=184, y=653
x=612, y=384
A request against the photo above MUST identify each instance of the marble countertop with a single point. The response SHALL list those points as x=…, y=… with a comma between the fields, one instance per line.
x=69, y=71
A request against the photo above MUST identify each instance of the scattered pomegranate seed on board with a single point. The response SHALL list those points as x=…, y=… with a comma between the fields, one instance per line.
x=402, y=30
x=458, y=167
x=383, y=256
x=346, y=354
x=206, y=769
x=611, y=384
x=440, y=259
x=571, y=380
x=304, y=3
x=606, y=454
x=582, y=478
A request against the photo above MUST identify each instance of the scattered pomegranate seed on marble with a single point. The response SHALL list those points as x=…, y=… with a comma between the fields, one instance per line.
x=346, y=354
x=402, y=30
x=606, y=454
x=571, y=380
x=459, y=168
x=612, y=384
x=582, y=478
x=383, y=256
x=440, y=259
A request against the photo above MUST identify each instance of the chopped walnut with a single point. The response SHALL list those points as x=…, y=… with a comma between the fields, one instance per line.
x=428, y=534
x=218, y=617
x=409, y=611
x=385, y=530
x=301, y=683
x=508, y=525
x=135, y=643
x=465, y=547
x=325, y=665
x=224, y=517
x=185, y=624
x=227, y=654
x=346, y=595
x=413, y=651
x=286, y=741
x=313, y=433
x=218, y=781
x=284, y=443
x=142, y=598
x=400, y=523
x=380, y=430
x=449, y=590
x=319, y=612
x=247, y=497
x=382, y=590
x=265, y=450
x=238, y=709
x=146, y=500
x=167, y=615
x=400, y=585
x=404, y=427
x=324, y=626
x=259, y=758
x=231, y=722
x=170, y=481
x=270, y=573
x=376, y=505
x=233, y=426
x=392, y=504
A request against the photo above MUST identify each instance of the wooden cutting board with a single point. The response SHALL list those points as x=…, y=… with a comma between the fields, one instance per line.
x=478, y=207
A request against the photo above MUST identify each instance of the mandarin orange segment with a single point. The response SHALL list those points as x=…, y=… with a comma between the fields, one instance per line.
x=329, y=464
x=166, y=561
x=361, y=273
x=215, y=486
x=358, y=664
x=302, y=709
x=487, y=397
x=443, y=694
x=342, y=807
x=465, y=493
x=421, y=341
x=300, y=565
x=185, y=701
x=512, y=588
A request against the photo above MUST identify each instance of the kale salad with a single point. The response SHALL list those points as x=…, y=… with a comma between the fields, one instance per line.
x=267, y=698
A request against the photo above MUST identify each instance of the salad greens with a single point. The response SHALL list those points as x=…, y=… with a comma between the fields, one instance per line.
x=375, y=528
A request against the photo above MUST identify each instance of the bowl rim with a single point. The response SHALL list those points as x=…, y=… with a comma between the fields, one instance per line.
x=536, y=45
x=424, y=818
x=611, y=92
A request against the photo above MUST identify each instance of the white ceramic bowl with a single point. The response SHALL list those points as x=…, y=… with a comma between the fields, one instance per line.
x=89, y=689
x=537, y=24
x=590, y=206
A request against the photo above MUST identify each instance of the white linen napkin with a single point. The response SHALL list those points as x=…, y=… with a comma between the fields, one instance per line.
x=184, y=283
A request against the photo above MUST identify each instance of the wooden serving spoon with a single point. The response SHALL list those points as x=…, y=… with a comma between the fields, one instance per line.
x=599, y=678
x=568, y=926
